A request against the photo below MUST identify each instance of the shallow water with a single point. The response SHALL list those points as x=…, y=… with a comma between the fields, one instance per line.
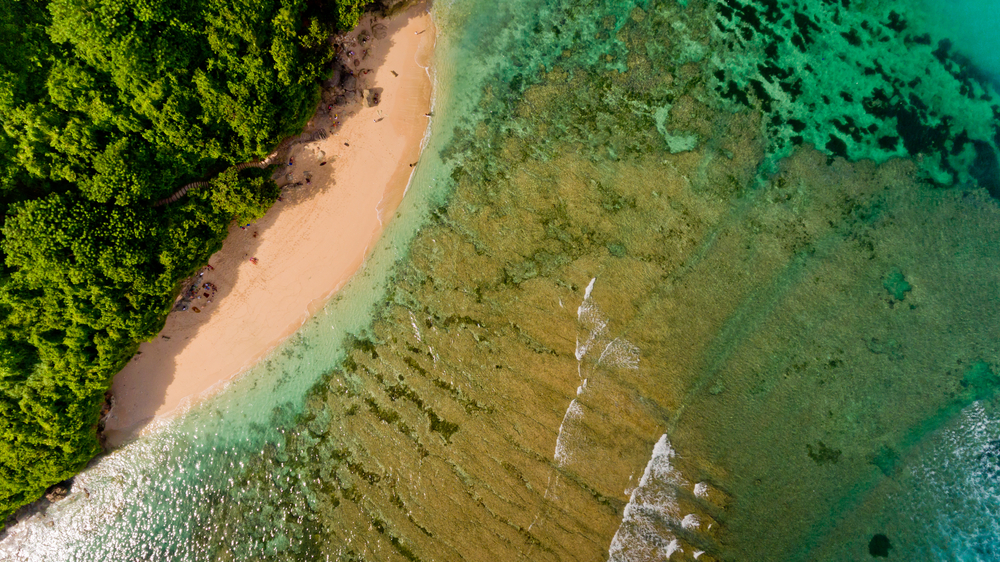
x=636, y=306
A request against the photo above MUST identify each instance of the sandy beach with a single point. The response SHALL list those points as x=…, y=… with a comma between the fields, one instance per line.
x=349, y=172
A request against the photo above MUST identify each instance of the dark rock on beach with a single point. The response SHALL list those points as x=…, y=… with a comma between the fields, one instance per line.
x=59, y=491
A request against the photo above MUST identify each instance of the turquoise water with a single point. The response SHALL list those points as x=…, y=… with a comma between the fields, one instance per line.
x=974, y=28
x=701, y=280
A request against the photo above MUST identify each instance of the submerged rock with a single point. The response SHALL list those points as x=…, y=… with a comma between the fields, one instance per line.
x=879, y=546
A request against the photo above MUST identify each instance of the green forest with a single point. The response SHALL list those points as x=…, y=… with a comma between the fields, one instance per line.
x=107, y=106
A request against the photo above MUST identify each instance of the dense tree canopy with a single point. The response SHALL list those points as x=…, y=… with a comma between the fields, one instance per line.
x=106, y=106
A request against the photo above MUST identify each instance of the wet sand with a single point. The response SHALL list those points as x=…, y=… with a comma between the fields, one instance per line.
x=307, y=246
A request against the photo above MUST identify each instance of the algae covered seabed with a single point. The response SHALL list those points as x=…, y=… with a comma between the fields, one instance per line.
x=714, y=280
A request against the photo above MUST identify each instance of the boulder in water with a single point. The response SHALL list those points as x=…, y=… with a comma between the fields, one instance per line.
x=58, y=491
x=879, y=546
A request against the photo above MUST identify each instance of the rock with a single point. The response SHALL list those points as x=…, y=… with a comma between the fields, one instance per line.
x=58, y=491
x=340, y=100
x=350, y=82
x=380, y=31
x=879, y=546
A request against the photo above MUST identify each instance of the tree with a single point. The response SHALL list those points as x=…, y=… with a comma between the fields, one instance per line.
x=105, y=107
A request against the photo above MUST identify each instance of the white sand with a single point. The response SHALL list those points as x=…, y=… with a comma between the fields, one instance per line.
x=307, y=246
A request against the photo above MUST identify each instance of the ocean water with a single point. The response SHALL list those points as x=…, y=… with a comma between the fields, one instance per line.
x=673, y=281
x=974, y=28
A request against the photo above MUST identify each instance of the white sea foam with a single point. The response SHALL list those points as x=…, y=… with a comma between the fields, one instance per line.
x=620, y=353
x=642, y=535
x=416, y=330
x=590, y=287
x=573, y=413
x=615, y=352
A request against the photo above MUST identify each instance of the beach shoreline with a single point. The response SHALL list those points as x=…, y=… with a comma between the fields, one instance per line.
x=347, y=171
